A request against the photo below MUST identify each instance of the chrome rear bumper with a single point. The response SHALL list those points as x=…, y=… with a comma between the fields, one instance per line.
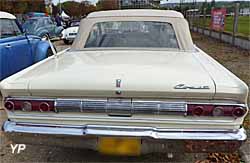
x=152, y=139
x=127, y=131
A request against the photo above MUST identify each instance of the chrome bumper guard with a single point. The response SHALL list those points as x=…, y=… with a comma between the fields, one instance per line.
x=127, y=131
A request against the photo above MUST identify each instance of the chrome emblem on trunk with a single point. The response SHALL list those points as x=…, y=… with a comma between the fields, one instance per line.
x=118, y=83
x=183, y=86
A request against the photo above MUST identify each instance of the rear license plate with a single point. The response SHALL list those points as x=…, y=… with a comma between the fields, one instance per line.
x=119, y=146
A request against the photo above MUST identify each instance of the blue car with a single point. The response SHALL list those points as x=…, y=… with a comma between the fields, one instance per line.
x=18, y=50
x=43, y=27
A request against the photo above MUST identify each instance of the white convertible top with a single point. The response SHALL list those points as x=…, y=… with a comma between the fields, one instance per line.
x=176, y=19
x=6, y=15
x=136, y=12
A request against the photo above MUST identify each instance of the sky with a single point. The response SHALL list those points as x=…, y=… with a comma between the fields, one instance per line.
x=163, y=1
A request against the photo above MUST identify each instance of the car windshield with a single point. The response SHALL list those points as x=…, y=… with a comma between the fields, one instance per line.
x=135, y=34
x=9, y=28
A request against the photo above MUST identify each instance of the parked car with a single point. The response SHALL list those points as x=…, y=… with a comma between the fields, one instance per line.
x=36, y=14
x=132, y=83
x=18, y=50
x=69, y=34
x=43, y=27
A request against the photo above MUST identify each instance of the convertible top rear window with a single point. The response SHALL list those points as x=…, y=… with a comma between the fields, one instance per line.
x=134, y=34
x=9, y=28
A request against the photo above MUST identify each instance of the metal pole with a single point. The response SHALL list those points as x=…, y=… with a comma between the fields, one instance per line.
x=204, y=16
x=210, y=29
x=235, y=25
x=204, y=19
x=60, y=7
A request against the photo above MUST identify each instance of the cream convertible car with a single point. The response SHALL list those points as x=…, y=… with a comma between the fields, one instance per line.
x=133, y=82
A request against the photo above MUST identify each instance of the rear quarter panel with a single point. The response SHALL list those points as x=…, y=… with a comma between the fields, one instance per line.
x=41, y=51
x=39, y=48
x=41, y=31
x=228, y=85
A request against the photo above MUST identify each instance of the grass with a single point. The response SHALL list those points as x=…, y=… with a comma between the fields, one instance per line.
x=243, y=24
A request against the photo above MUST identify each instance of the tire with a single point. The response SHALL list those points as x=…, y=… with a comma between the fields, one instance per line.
x=66, y=41
x=49, y=52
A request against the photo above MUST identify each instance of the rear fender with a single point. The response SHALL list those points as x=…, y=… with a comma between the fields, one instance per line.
x=59, y=30
x=41, y=51
x=42, y=33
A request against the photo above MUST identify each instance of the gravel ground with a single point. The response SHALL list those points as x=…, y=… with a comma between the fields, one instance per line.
x=234, y=59
x=60, y=45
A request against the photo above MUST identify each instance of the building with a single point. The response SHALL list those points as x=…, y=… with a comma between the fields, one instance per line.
x=245, y=11
x=125, y=4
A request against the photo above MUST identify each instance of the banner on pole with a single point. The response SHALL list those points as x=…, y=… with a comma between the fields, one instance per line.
x=218, y=17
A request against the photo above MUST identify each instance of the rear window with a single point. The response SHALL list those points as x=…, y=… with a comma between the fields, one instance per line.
x=134, y=34
x=9, y=28
x=30, y=24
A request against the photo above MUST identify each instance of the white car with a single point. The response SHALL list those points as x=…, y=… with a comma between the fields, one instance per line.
x=69, y=34
x=133, y=82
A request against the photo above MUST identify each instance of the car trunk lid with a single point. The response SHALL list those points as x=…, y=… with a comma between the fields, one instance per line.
x=130, y=73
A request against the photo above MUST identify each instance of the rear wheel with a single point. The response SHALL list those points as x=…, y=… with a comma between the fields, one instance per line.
x=49, y=53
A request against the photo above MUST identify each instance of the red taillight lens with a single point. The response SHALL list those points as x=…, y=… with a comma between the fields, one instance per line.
x=44, y=106
x=9, y=105
x=29, y=105
x=215, y=110
x=238, y=112
x=198, y=111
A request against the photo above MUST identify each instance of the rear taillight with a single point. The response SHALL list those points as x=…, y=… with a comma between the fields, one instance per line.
x=189, y=109
x=9, y=105
x=29, y=105
x=198, y=111
x=44, y=106
x=215, y=110
x=238, y=112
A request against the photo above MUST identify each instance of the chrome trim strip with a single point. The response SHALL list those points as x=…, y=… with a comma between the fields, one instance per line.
x=116, y=106
x=169, y=120
x=134, y=131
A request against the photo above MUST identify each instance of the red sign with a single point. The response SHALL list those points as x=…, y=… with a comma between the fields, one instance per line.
x=218, y=17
